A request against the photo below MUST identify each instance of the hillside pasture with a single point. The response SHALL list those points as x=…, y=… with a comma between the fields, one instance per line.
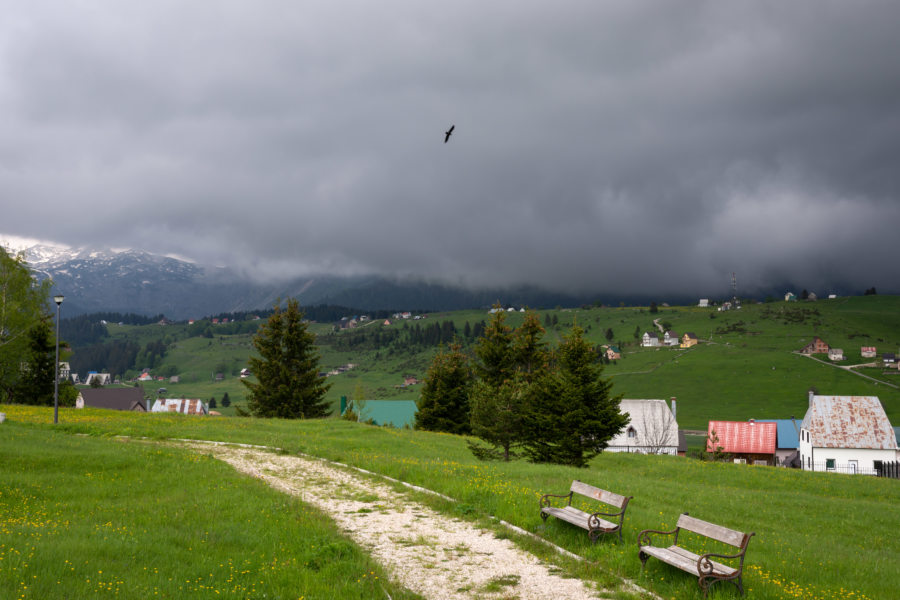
x=819, y=536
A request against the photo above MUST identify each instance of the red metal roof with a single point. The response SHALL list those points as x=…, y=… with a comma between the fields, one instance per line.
x=743, y=437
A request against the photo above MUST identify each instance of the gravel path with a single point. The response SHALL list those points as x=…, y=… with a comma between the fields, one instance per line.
x=429, y=553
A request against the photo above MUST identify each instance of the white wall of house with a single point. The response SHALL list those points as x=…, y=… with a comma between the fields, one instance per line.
x=820, y=459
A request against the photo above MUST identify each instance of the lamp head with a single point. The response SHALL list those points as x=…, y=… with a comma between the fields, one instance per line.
x=58, y=299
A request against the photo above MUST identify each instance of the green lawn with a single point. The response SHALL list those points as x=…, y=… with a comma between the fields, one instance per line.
x=89, y=517
x=819, y=536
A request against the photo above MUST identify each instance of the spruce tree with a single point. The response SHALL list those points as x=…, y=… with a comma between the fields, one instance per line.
x=287, y=369
x=444, y=403
x=36, y=383
x=496, y=398
x=572, y=415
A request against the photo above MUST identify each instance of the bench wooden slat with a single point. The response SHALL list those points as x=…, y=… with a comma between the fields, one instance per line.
x=597, y=494
x=711, y=530
x=576, y=517
x=686, y=560
x=595, y=525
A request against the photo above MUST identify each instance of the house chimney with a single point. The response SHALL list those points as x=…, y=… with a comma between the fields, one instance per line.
x=812, y=395
x=674, y=412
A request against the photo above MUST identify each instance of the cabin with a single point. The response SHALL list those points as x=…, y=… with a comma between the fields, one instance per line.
x=613, y=353
x=180, y=405
x=650, y=339
x=748, y=442
x=868, y=352
x=101, y=378
x=788, y=440
x=689, y=339
x=652, y=428
x=131, y=399
x=835, y=354
x=846, y=434
x=816, y=346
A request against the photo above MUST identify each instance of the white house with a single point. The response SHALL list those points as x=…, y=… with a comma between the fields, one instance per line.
x=846, y=434
x=650, y=339
x=651, y=430
x=180, y=405
x=670, y=338
x=835, y=354
x=704, y=302
x=103, y=378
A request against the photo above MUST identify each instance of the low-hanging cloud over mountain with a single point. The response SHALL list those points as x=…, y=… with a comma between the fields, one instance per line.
x=617, y=146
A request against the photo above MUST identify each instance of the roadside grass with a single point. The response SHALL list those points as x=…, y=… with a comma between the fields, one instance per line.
x=84, y=517
x=819, y=536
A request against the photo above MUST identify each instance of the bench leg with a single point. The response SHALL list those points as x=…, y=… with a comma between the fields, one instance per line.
x=643, y=558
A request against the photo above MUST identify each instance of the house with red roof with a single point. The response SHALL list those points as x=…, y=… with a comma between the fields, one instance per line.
x=747, y=441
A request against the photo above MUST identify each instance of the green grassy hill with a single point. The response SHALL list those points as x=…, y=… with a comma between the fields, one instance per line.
x=81, y=512
x=745, y=366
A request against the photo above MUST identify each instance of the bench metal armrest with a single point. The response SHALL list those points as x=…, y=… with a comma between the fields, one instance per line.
x=545, y=499
x=645, y=538
x=705, y=567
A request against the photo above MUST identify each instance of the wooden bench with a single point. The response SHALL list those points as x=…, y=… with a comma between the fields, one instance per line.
x=595, y=523
x=707, y=570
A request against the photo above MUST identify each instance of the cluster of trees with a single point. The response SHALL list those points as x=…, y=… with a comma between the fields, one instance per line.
x=520, y=398
x=27, y=340
x=406, y=338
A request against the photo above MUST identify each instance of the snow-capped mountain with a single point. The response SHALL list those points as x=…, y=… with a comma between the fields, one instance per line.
x=132, y=281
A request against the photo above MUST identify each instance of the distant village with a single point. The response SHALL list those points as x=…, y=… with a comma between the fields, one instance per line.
x=840, y=434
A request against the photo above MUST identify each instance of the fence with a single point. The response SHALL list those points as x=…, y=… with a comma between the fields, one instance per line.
x=880, y=469
x=888, y=469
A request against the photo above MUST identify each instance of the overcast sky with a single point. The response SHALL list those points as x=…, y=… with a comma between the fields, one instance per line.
x=615, y=146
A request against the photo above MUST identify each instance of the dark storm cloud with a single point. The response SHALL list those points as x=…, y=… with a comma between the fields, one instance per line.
x=615, y=147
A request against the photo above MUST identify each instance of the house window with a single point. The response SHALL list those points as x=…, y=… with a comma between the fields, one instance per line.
x=632, y=433
x=829, y=464
x=879, y=467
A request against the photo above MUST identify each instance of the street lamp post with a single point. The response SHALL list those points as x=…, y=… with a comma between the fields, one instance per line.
x=59, y=300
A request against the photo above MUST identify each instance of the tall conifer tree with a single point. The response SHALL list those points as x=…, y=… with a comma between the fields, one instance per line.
x=287, y=370
x=575, y=414
x=444, y=404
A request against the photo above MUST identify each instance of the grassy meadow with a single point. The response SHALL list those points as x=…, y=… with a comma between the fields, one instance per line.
x=745, y=366
x=94, y=517
x=819, y=536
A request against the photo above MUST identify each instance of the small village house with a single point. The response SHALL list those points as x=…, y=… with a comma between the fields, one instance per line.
x=650, y=339
x=613, y=353
x=888, y=359
x=180, y=405
x=670, y=338
x=131, y=399
x=868, y=352
x=652, y=428
x=816, y=346
x=103, y=378
x=704, y=303
x=786, y=453
x=835, y=354
x=746, y=441
x=790, y=297
x=689, y=339
x=846, y=434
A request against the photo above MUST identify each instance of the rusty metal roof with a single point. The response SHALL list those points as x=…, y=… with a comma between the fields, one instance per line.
x=180, y=405
x=848, y=422
x=744, y=437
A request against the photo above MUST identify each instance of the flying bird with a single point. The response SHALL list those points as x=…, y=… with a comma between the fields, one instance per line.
x=448, y=133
